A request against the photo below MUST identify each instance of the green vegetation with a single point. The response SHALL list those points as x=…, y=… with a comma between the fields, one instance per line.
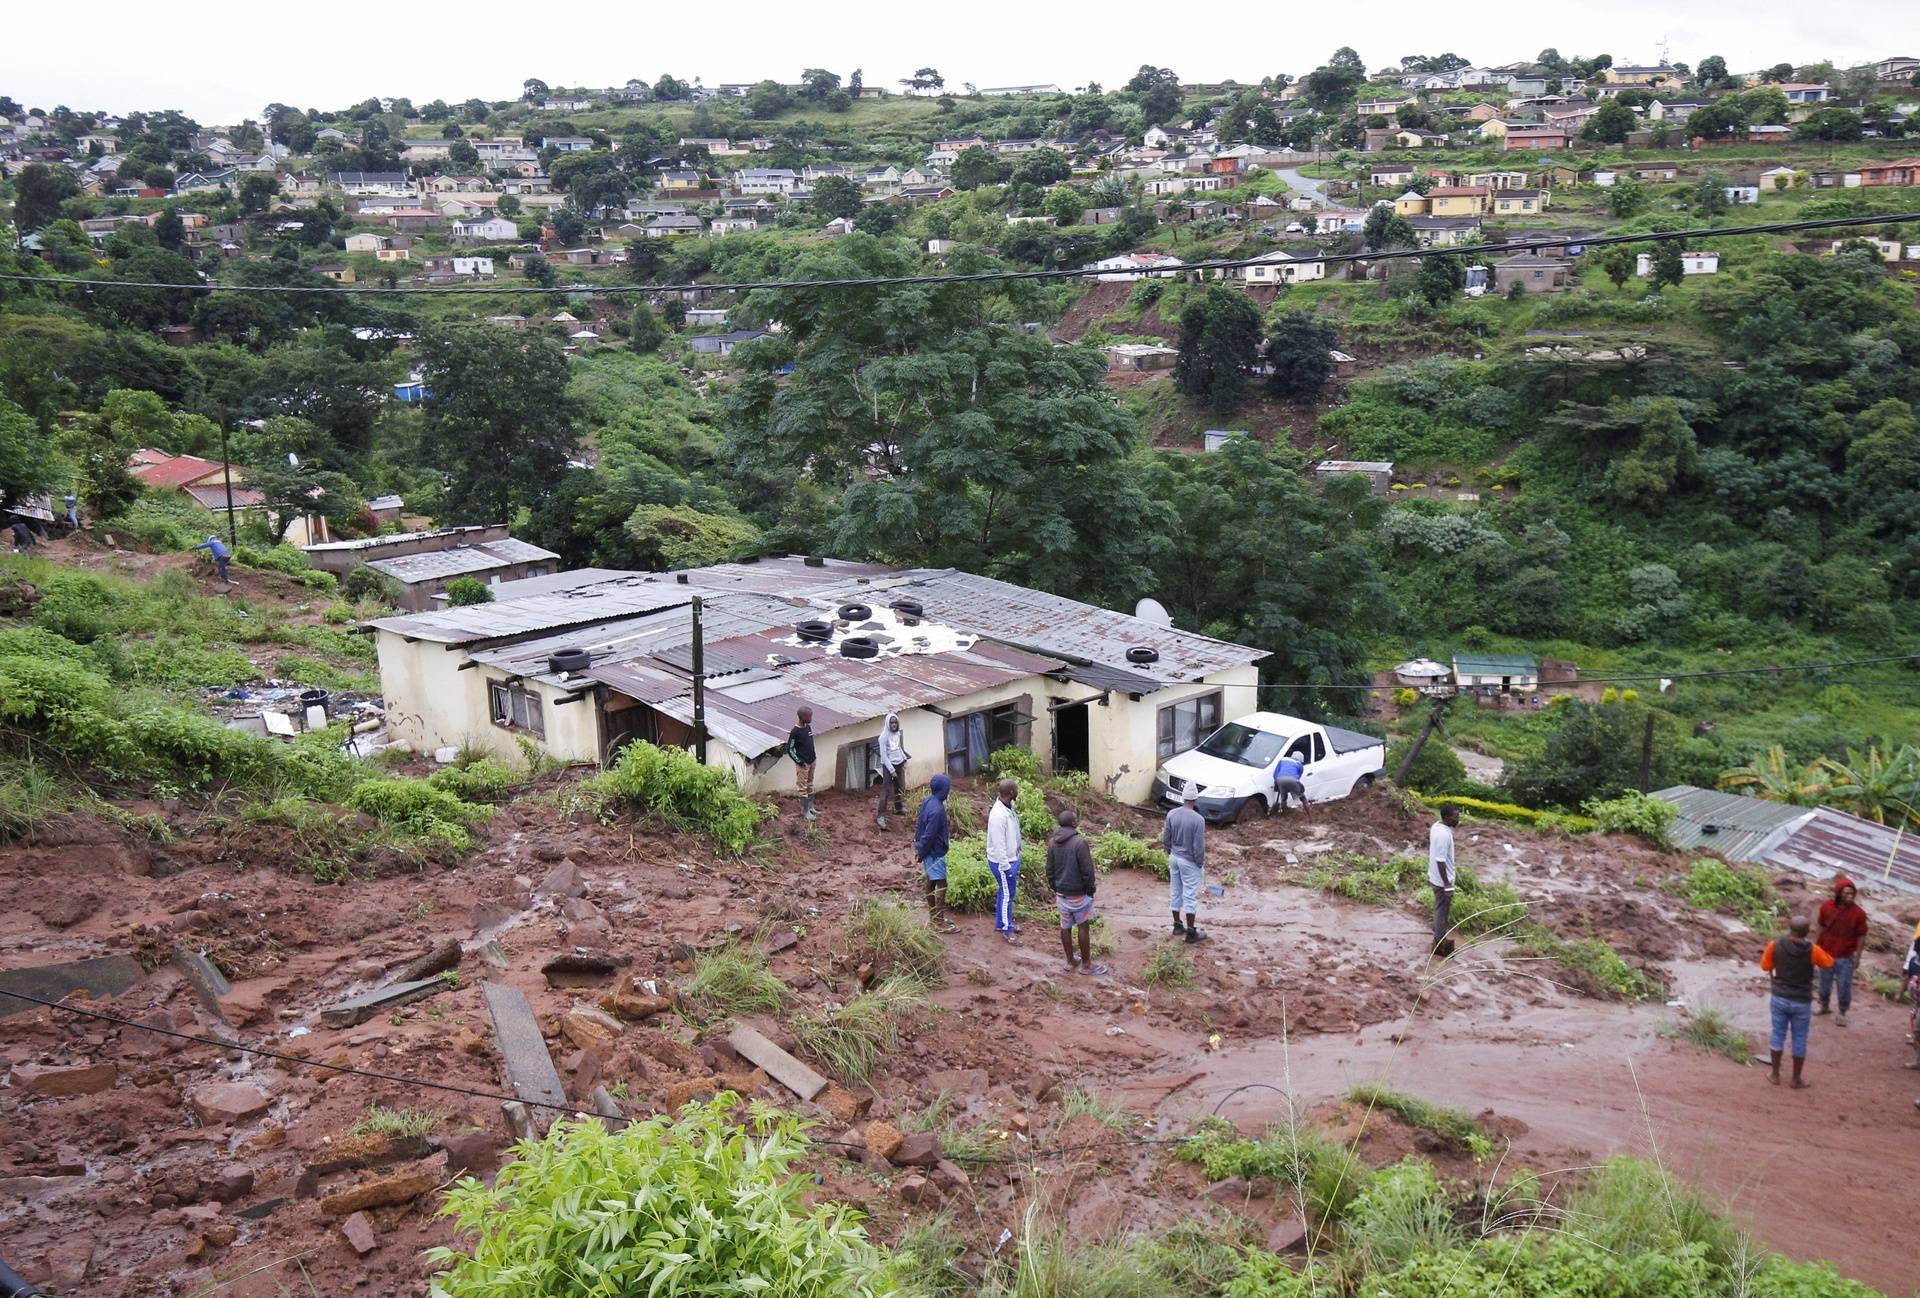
x=1518, y=815
x=403, y=1123
x=1632, y=812
x=1449, y=1124
x=1168, y=967
x=885, y=933
x=1085, y=1104
x=1119, y=850
x=483, y=779
x=1745, y=891
x=733, y=979
x=851, y=1039
x=970, y=885
x=702, y=1203
x=1709, y=1029
x=671, y=784
x=419, y=808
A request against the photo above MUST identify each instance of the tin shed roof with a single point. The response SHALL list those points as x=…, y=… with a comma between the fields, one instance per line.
x=1817, y=841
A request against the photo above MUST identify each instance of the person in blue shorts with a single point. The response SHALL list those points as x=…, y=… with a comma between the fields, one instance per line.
x=1071, y=875
x=930, y=841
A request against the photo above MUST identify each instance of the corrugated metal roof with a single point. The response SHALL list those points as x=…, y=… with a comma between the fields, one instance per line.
x=552, y=583
x=1817, y=841
x=1495, y=665
x=481, y=556
x=387, y=539
x=604, y=602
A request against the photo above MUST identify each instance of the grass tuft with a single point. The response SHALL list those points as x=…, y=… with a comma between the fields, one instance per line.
x=732, y=980
x=895, y=940
x=1169, y=966
x=850, y=1040
x=405, y=1123
x=1454, y=1125
x=1709, y=1029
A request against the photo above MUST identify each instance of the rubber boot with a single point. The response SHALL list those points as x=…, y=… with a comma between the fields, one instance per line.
x=806, y=808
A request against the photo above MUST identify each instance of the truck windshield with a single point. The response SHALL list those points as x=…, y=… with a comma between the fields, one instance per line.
x=1237, y=743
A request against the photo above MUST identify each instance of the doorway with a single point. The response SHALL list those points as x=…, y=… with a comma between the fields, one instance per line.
x=1072, y=738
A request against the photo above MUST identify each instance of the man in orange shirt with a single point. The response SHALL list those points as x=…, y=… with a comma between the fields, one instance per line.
x=1791, y=960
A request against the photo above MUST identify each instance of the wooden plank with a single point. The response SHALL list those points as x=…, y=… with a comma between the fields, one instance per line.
x=530, y=1070
x=780, y=1065
x=358, y=1009
x=106, y=976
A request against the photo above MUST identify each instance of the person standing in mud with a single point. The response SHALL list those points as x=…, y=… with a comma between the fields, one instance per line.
x=1003, y=858
x=800, y=748
x=893, y=770
x=1287, y=785
x=1841, y=934
x=1071, y=875
x=1185, y=838
x=930, y=842
x=1791, y=961
x=1441, y=877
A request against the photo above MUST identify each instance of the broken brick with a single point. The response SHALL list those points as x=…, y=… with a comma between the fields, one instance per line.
x=227, y=1102
x=381, y=1192
x=359, y=1232
x=58, y=1080
x=883, y=1138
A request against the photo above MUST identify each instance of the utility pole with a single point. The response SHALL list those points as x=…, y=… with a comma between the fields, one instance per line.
x=1646, y=754
x=699, y=688
x=1419, y=742
x=226, y=468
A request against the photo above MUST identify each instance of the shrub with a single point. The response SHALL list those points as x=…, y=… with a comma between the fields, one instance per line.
x=1406, y=696
x=1629, y=1206
x=1518, y=815
x=1327, y=1171
x=418, y=808
x=1712, y=884
x=970, y=885
x=1169, y=966
x=382, y=1121
x=1779, y=1278
x=462, y=591
x=1709, y=1029
x=687, y=1204
x=1633, y=813
x=318, y=672
x=28, y=798
x=1036, y=817
x=182, y=664
x=1453, y=1125
x=364, y=583
x=487, y=780
x=1021, y=764
x=1399, y=1215
x=1119, y=850
x=670, y=783
x=1437, y=770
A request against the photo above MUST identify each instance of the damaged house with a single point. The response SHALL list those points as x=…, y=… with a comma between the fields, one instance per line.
x=969, y=663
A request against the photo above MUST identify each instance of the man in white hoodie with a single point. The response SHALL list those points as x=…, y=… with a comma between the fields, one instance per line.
x=1003, y=857
x=893, y=770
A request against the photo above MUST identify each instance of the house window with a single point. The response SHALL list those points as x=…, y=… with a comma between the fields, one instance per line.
x=859, y=764
x=1184, y=724
x=516, y=708
x=970, y=737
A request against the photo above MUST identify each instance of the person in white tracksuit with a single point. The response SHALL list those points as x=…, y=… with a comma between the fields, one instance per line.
x=1003, y=858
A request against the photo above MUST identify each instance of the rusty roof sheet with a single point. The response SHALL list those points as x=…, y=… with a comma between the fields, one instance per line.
x=1817, y=841
x=455, y=560
x=653, y=638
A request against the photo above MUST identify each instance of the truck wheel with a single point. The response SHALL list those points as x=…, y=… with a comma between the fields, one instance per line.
x=1254, y=808
x=1361, y=785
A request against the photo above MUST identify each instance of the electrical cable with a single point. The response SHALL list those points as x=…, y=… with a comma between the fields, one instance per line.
x=1616, y=679
x=574, y=1110
x=990, y=277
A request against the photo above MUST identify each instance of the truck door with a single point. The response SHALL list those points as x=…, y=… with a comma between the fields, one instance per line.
x=1318, y=776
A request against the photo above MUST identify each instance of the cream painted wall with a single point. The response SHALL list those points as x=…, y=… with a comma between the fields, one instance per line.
x=432, y=704
x=1124, y=735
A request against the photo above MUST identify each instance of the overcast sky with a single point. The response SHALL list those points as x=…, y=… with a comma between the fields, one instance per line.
x=222, y=64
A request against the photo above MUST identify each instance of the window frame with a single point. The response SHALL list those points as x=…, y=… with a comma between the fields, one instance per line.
x=1009, y=725
x=1166, y=729
x=512, y=706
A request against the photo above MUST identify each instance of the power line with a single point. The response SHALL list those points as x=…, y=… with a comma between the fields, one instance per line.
x=1615, y=679
x=990, y=277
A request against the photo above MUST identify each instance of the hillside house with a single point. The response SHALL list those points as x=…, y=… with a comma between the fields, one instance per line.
x=1496, y=179
x=1129, y=266
x=364, y=241
x=1459, y=200
x=667, y=227
x=1378, y=473
x=1283, y=266
x=1743, y=195
x=725, y=344
x=337, y=272
x=1535, y=274
x=680, y=182
x=1889, y=249
x=1496, y=673
x=204, y=482
x=1412, y=203
x=1531, y=138
x=1443, y=231
x=733, y=225
x=1778, y=178
x=1657, y=74
x=1140, y=358
x=462, y=267
x=1519, y=202
x=412, y=218
x=765, y=180
x=372, y=184
x=1805, y=92
x=969, y=664
x=1692, y=263
x=1390, y=175
x=1900, y=171
x=486, y=229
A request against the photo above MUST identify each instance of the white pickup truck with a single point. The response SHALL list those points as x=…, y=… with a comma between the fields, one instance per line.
x=1231, y=773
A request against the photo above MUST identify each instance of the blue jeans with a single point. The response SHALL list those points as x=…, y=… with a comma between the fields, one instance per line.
x=1006, y=878
x=1183, y=884
x=1842, y=973
x=1795, y=1015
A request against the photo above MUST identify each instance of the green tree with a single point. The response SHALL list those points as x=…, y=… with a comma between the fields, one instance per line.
x=1219, y=341
x=1386, y=228
x=1617, y=261
x=1831, y=126
x=819, y=85
x=1595, y=753
x=1300, y=350
x=1439, y=278
x=975, y=167
x=1712, y=72
x=292, y=491
x=1332, y=85
x=1710, y=196
x=1253, y=551
x=676, y=536
x=1668, y=266
x=28, y=465
x=645, y=333
x=499, y=422
x=462, y=591
x=876, y=218
x=939, y=435
x=539, y=270
x=257, y=191
x=1065, y=204
x=1611, y=123
x=1666, y=453
x=461, y=153
x=836, y=196
x=38, y=192
x=1883, y=454
x=534, y=88
x=1627, y=198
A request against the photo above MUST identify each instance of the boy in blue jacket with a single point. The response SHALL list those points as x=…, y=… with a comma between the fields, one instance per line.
x=930, y=841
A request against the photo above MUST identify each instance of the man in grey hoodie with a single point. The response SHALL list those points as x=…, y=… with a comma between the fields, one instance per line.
x=1185, y=838
x=1071, y=875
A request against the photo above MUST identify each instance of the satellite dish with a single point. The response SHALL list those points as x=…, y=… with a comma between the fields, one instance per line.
x=1152, y=610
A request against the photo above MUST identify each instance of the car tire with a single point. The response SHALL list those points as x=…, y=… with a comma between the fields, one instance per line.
x=1254, y=808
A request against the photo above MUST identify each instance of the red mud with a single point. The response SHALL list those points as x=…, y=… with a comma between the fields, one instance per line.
x=125, y=1192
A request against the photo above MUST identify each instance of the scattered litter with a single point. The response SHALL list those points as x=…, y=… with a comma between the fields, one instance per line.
x=1001, y=1243
x=1213, y=1042
x=298, y=1032
x=1217, y=889
x=1677, y=1004
x=446, y=756
x=1116, y=1032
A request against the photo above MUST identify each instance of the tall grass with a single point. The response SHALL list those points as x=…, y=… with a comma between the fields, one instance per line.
x=1709, y=1029
x=1169, y=966
x=732, y=980
x=895, y=940
x=1454, y=1125
x=671, y=784
x=852, y=1039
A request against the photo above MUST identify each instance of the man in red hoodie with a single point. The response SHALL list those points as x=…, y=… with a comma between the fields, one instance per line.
x=1842, y=934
